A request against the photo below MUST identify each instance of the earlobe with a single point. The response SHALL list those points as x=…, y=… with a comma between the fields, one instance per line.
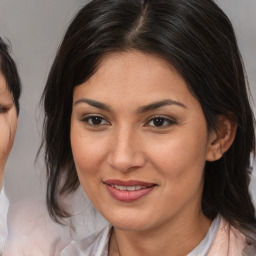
x=221, y=139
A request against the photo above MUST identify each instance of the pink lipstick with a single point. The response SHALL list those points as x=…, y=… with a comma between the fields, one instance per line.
x=128, y=191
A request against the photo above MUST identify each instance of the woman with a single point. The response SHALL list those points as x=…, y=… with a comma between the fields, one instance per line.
x=10, y=88
x=146, y=107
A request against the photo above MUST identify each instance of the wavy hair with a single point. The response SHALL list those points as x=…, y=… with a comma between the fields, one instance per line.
x=198, y=39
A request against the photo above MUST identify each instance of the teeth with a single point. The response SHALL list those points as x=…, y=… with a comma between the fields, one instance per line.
x=131, y=188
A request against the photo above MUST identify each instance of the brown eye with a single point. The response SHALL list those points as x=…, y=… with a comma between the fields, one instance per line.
x=160, y=121
x=95, y=120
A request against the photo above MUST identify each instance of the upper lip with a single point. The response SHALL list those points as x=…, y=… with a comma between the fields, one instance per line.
x=128, y=183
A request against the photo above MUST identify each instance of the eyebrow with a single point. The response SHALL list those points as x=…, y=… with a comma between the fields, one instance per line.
x=143, y=109
x=94, y=103
x=159, y=104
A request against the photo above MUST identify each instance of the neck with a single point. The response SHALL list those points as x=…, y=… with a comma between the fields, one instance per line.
x=179, y=238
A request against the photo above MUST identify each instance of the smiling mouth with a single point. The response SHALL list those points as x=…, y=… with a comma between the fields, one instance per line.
x=131, y=188
x=128, y=191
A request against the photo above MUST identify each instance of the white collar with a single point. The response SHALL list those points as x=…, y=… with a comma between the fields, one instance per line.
x=95, y=244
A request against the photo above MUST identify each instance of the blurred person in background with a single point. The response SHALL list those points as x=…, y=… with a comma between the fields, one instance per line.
x=10, y=89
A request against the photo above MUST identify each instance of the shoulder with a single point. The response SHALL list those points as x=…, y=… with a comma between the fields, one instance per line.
x=95, y=244
x=228, y=241
x=32, y=232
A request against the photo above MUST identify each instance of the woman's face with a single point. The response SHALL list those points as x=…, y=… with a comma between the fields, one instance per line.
x=8, y=124
x=140, y=141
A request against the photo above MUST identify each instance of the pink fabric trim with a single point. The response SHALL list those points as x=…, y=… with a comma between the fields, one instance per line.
x=228, y=241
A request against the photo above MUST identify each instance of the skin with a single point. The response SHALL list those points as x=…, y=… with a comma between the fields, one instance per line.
x=127, y=145
x=8, y=124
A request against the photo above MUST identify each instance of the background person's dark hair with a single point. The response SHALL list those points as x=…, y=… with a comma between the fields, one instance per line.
x=9, y=70
x=197, y=38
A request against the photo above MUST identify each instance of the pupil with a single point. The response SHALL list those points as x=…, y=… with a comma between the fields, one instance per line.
x=158, y=121
x=96, y=120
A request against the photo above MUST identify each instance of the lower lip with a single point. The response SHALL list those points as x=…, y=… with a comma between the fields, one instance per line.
x=128, y=196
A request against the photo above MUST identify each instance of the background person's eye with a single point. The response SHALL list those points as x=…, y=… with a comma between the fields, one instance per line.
x=160, y=121
x=95, y=120
x=3, y=109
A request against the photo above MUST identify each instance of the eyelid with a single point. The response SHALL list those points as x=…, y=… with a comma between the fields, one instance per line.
x=6, y=105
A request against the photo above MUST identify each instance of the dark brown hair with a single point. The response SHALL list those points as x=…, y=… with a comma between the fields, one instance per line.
x=197, y=38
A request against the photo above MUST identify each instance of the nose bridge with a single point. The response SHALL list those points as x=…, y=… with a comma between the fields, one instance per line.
x=126, y=152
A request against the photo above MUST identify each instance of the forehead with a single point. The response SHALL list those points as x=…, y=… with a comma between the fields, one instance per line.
x=3, y=85
x=124, y=73
x=129, y=80
x=4, y=92
x=137, y=62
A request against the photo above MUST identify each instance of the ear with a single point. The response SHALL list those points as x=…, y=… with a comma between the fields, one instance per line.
x=221, y=139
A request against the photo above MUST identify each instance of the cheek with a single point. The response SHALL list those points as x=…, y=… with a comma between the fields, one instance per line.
x=181, y=154
x=88, y=153
x=5, y=142
x=8, y=129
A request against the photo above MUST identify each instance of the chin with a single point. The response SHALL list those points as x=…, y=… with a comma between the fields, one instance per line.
x=130, y=226
x=129, y=221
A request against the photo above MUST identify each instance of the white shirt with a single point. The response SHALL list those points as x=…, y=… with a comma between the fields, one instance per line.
x=31, y=232
x=4, y=204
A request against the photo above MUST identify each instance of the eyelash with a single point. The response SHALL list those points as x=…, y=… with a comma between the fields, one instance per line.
x=96, y=121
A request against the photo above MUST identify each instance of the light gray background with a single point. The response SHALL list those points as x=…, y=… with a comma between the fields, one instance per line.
x=35, y=28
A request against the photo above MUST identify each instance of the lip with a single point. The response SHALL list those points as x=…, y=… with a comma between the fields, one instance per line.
x=127, y=195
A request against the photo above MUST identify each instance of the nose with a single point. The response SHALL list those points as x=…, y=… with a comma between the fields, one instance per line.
x=126, y=153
